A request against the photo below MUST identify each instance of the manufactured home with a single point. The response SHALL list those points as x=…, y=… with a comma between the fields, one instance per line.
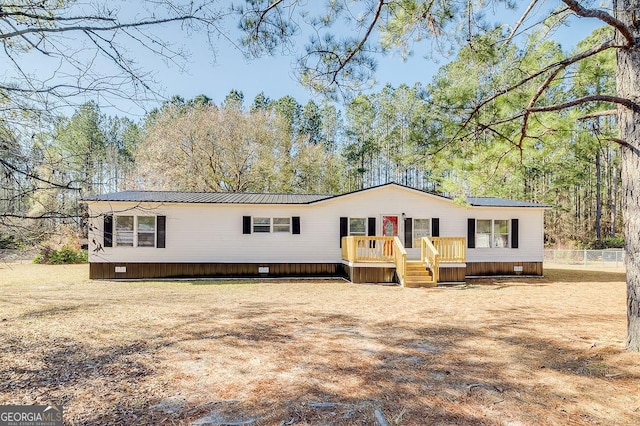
x=387, y=233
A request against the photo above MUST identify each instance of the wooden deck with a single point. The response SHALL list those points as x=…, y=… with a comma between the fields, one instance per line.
x=389, y=251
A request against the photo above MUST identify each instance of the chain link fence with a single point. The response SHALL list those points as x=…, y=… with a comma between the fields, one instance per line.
x=613, y=258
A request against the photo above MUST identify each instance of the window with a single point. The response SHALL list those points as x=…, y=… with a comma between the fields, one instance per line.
x=483, y=233
x=492, y=233
x=421, y=229
x=140, y=231
x=288, y=225
x=261, y=224
x=357, y=226
x=146, y=231
x=281, y=224
x=124, y=231
x=501, y=233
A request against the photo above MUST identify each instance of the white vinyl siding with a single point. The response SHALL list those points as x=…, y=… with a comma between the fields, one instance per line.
x=213, y=232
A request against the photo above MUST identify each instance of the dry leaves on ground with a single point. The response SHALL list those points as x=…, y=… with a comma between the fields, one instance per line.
x=513, y=352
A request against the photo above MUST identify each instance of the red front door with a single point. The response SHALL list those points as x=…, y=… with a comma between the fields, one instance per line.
x=389, y=226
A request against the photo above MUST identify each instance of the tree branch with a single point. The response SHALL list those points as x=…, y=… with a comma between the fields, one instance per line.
x=51, y=18
x=579, y=10
x=118, y=26
x=265, y=12
x=520, y=21
x=362, y=41
x=47, y=215
x=625, y=144
x=32, y=176
x=586, y=99
x=606, y=113
x=555, y=67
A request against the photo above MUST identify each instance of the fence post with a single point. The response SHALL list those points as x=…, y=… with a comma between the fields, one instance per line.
x=585, y=258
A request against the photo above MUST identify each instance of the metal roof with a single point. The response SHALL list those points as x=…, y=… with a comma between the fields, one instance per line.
x=502, y=202
x=265, y=198
x=208, y=197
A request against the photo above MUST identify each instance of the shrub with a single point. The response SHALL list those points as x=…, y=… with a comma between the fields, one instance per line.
x=605, y=243
x=61, y=256
x=614, y=242
x=9, y=242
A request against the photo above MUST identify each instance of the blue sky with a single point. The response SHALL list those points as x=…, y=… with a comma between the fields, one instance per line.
x=274, y=75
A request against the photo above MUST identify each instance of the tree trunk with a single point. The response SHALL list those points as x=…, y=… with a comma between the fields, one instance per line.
x=598, y=195
x=628, y=87
x=614, y=204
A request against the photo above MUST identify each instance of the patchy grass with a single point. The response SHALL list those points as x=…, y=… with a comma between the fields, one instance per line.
x=517, y=352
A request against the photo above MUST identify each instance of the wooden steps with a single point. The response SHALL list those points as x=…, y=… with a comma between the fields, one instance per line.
x=417, y=275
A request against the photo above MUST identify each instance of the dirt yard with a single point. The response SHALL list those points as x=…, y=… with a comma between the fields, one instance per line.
x=508, y=352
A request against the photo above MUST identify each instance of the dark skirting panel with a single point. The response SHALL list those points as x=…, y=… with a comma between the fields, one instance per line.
x=452, y=275
x=504, y=268
x=124, y=270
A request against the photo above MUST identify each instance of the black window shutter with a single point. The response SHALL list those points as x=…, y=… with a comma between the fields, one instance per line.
x=435, y=227
x=344, y=228
x=295, y=225
x=246, y=224
x=108, y=231
x=161, y=222
x=408, y=232
x=471, y=233
x=371, y=229
x=514, y=233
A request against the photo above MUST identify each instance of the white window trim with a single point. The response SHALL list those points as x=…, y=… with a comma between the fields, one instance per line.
x=413, y=228
x=349, y=227
x=135, y=231
x=116, y=232
x=274, y=225
x=492, y=236
x=253, y=225
x=155, y=231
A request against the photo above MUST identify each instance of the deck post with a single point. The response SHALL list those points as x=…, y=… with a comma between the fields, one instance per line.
x=353, y=248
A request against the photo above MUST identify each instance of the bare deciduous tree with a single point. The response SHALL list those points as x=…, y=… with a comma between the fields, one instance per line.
x=57, y=54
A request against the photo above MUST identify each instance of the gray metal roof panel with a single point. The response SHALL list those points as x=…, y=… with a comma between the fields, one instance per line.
x=265, y=198
x=502, y=202
x=208, y=197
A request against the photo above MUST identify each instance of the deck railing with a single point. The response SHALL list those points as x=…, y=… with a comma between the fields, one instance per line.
x=368, y=249
x=434, y=252
x=400, y=258
x=451, y=249
x=430, y=256
x=376, y=250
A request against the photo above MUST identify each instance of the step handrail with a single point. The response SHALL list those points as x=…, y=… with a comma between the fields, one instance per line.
x=430, y=256
x=400, y=258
